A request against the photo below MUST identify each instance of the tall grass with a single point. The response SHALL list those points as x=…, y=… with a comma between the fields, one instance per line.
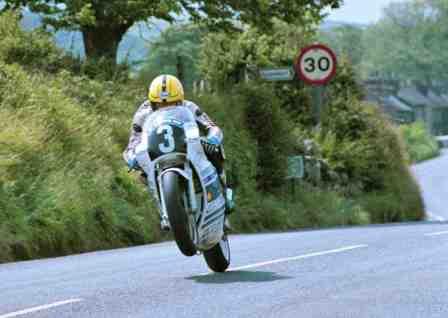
x=63, y=186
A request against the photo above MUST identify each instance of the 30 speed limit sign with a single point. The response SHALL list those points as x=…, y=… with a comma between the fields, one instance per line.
x=316, y=64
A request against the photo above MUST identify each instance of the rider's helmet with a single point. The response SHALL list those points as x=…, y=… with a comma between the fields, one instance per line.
x=166, y=90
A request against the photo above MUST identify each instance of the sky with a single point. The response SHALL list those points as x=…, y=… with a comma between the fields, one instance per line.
x=360, y=11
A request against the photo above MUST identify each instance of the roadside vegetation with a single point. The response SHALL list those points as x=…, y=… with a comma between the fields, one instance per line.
x=64, y=187
x=420, y=144
x=392, y=48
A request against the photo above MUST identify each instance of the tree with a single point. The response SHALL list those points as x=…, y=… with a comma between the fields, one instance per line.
x=346, y=40
x=103, y=23
x=227, y=58
x=409, y=42
x=176, y=50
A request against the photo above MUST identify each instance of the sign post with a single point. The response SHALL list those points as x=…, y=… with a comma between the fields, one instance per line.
x=316, y=66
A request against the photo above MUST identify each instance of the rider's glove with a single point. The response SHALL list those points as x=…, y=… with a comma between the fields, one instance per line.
x=211, y=145
x=213, y=140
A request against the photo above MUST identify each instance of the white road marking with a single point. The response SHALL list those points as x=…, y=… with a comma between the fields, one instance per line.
x=295, y=258
x=40, y=308
x=431, y=234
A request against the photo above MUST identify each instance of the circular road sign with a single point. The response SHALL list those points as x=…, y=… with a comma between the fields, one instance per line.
x=316, y=64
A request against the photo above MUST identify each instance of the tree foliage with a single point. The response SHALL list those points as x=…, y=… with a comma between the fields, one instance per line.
x=175, y=51
x=227, y=59
x=225, y=55
x=103, y=23
x=346, y=40
x=409, y=42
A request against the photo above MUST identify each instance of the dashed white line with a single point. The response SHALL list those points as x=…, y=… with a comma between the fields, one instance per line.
x=40, y=308
x=431, y=234
x=295, y=258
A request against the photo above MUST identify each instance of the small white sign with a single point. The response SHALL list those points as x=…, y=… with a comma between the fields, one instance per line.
x=279, y=74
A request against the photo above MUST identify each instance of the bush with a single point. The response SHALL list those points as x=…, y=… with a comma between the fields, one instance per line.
x=400, y=200
x=358, y=142
x=420, y=144
x=240, y=150
x=272, y=130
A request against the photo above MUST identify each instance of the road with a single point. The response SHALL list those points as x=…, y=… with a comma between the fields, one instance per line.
x=375, y=271
x=379, y=271
x=433, y=179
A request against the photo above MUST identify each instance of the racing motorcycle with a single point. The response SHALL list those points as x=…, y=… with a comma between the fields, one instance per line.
x=190, y=195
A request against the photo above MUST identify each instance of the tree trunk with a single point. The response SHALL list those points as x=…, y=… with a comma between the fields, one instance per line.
x=180, y=69
x=101, y=41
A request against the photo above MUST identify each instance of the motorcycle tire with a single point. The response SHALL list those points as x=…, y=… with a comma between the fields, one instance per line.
x=218, y=257
x=174, y=187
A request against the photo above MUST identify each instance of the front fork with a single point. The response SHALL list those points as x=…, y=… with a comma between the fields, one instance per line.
x=190, y=201
x=161, y=203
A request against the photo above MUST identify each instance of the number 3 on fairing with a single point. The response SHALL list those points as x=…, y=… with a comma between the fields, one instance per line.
x=167, y=132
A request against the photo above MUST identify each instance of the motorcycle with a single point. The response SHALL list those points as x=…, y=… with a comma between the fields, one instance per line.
x=190, y=195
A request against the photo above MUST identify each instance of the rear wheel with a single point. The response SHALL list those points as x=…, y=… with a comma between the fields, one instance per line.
x=174, y=188
x=218, y=257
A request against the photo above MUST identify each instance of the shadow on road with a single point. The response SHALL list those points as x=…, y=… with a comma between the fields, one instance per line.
x=238, y=277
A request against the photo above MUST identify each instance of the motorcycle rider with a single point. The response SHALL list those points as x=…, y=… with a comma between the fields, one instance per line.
x=164, y=91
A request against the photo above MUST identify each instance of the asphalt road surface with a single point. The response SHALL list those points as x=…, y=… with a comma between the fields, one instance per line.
x=432, y=176
x=382, y=271
x=375, y=271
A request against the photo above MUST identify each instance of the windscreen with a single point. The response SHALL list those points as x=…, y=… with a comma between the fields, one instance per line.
x=165, y=129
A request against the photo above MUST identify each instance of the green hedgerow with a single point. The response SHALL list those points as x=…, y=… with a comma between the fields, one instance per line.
x=420, y=144
x=62, y=175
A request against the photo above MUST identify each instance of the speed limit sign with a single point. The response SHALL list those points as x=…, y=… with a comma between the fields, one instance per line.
x=316, y=64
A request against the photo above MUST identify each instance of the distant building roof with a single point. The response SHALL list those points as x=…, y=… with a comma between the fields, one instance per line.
x=397, y=104
x=412, y=96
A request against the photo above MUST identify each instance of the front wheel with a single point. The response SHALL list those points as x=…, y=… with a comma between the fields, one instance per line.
x=218, y=257
x=174, y=188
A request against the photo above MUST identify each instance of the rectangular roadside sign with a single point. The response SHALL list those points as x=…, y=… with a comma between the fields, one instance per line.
x=277, y=74
x=296, y=167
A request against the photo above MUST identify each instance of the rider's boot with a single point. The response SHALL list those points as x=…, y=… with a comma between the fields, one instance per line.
x=228, y=195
